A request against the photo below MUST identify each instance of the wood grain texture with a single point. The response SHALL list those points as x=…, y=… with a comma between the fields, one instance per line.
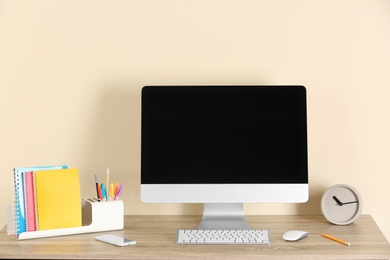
x=156, y=236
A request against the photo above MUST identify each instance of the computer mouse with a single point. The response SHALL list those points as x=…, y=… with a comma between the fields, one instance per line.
x=294, y=235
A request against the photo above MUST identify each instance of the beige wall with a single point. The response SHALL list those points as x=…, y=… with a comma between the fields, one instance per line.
x=71, y=74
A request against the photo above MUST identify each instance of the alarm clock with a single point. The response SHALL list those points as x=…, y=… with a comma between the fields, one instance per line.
x=341, y=204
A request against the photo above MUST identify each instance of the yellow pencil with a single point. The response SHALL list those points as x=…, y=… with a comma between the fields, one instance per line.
x=335, y=239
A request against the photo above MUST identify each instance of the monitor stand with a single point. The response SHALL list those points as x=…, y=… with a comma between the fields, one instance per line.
x=223, y=216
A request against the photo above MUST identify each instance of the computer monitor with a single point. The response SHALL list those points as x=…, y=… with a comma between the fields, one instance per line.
x=224, y=146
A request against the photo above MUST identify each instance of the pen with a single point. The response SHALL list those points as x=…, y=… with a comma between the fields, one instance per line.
x=97, y=185
x=119, y=192
x=335, y=239
x=112, y=196
x=100, y=196
x=104, y=193
x=115, y=189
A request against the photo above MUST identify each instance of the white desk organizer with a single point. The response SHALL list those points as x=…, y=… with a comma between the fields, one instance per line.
x=97, y=216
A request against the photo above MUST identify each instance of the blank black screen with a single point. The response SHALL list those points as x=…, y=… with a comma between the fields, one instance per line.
x=223, y=135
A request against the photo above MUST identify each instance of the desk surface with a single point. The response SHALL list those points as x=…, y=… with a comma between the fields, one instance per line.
x=156, y=237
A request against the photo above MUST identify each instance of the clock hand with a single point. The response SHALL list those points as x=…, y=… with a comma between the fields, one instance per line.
x=343, y=203
x=338, y=201
x=350, y=202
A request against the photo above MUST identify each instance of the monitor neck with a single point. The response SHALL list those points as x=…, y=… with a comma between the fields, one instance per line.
x=223, y=216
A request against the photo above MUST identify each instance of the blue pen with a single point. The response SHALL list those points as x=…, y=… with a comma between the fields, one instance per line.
x=104, y=193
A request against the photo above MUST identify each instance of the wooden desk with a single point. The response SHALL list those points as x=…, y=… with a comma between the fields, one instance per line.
x=156, y=237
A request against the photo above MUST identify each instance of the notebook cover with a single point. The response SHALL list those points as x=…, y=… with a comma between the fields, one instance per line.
x=30, y=201
x=58, y=199
x=19, y=203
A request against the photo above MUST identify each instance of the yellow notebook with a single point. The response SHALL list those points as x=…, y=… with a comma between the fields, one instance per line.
x=58, y=199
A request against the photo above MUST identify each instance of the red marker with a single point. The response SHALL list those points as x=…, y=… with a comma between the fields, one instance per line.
x=100, y=193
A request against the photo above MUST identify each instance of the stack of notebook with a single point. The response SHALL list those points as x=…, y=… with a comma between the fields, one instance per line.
x=45, y=198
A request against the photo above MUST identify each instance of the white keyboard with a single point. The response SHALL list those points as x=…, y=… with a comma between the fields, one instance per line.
x=242, y=237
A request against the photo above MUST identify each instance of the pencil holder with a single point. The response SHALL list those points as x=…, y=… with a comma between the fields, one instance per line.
x=97, y=216
x=103, y=215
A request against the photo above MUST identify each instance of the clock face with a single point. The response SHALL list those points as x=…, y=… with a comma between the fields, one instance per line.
x=341, y=204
